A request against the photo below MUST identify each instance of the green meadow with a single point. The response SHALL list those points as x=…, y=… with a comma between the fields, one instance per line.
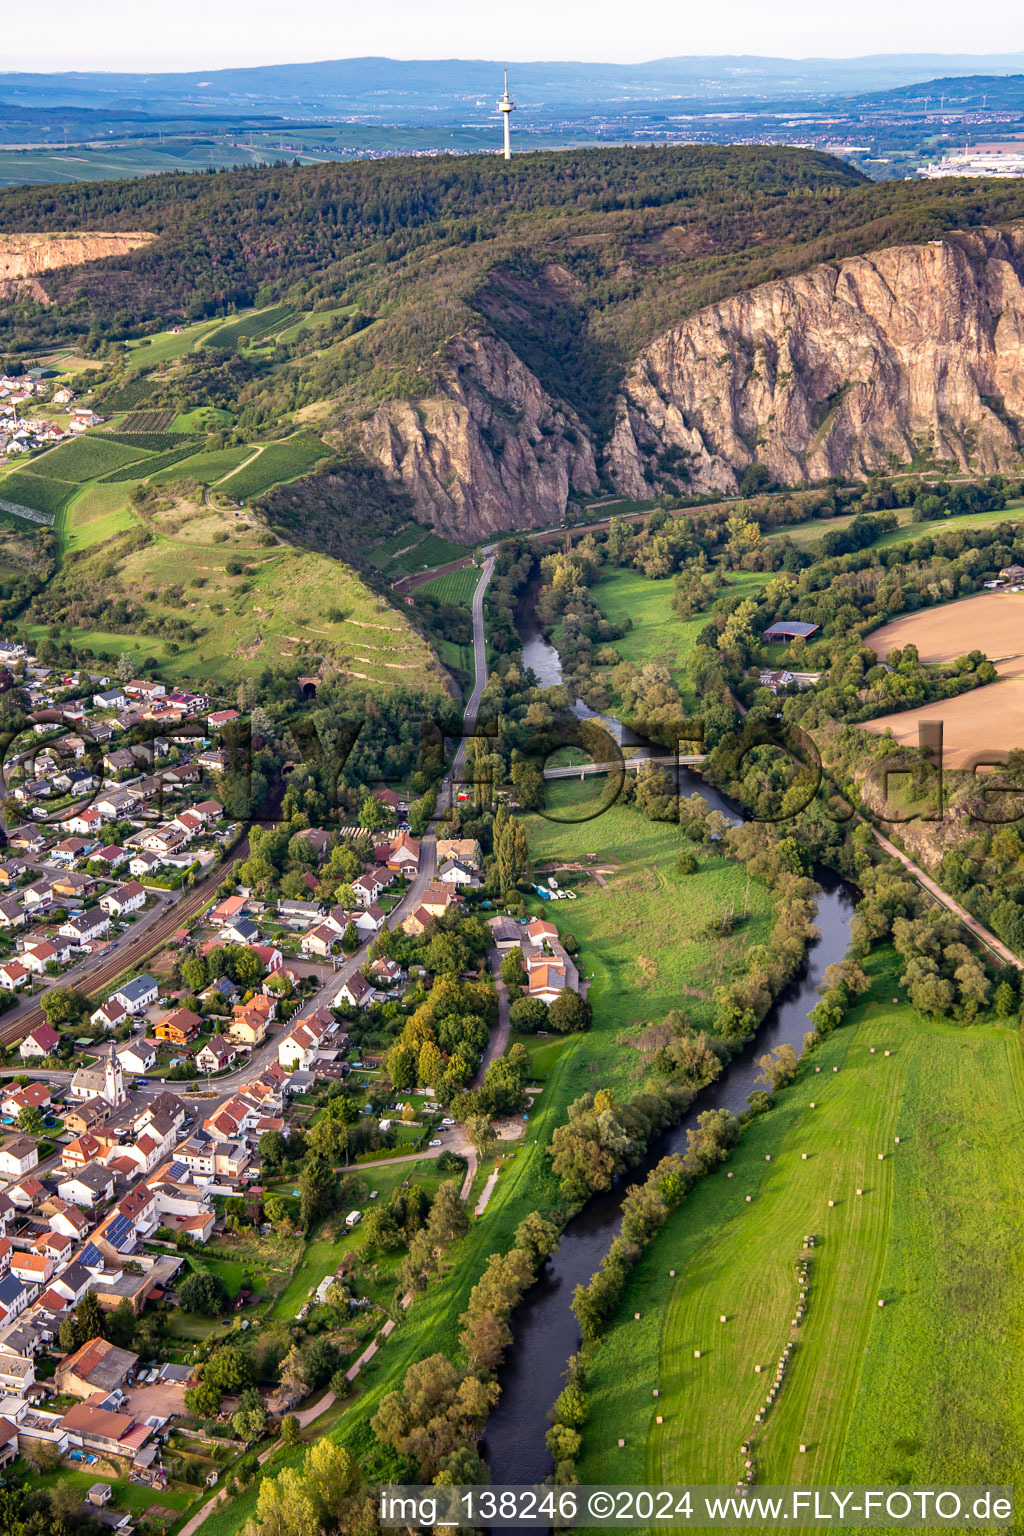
x=919, y=1390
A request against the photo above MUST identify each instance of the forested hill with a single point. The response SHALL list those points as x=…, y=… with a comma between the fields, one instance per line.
x=513, y=297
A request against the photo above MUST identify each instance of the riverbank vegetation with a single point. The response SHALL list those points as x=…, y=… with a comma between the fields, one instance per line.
x=889, y=1224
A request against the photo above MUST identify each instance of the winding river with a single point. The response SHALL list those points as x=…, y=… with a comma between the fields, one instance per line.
x=545, y=1329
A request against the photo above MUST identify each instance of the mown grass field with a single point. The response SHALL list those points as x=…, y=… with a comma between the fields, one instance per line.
x=642, y=934
x=252, y=326
x=658, y=635
x=921, y=1390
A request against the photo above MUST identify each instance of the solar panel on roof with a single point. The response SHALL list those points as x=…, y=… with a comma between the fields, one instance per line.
x=90, y=1254
x=178, y=1171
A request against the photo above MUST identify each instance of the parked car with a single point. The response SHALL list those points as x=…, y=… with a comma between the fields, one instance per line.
x=436, y=1142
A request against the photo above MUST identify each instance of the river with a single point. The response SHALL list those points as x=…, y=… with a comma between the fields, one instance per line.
x=544, y=1327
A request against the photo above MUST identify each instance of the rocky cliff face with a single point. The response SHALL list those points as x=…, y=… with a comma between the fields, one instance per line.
x=916, y=349
x=491, y=451
x=24, y=257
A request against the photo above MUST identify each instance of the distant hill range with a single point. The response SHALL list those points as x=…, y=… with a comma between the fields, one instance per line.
x=383, y=87
x=994, y=93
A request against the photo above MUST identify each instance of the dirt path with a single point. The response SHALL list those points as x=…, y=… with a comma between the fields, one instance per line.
x=239, y=467
x=486, y=1193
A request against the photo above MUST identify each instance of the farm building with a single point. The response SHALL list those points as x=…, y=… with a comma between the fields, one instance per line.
x=789, y=629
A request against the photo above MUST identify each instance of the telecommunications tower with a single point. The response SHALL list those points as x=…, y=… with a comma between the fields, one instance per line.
x=506, y=106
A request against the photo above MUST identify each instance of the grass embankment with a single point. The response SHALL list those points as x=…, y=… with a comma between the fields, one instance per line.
x=924, y=1389
x=673, y=913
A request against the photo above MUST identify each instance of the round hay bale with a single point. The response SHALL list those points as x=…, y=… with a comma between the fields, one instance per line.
x=671, y=1274
x=860, y=1191
x=897, y=1141
x=757, y=1368
x=749, y=1198
x=696, y=1354
x=881, y=1157
x=729, y=1175
x=872, y=1049
x=888, y=1053
x=656, y=1392
x=831, y=1203
x=803, y=1449
x=814, y=1106
x=803, y=1156
x=621, y=1444
x=658, y=1419
x=881, y=1302
x=767, y=1157
x=835, y=1069
x=722, y=1318
x=817, y=1069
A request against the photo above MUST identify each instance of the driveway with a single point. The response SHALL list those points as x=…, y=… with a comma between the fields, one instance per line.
x=163, y=1398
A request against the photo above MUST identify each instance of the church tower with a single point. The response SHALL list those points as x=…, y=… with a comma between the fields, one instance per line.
x=113, y=1079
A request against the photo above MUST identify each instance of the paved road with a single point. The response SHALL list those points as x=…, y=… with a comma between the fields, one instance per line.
x=950, y=902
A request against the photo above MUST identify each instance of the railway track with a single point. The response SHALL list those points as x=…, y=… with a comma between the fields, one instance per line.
x=107, y=972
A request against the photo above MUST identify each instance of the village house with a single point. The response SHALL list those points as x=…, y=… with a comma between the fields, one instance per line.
x=97, y=1366
x=41, y=1042
x=370, y=885
x=320, y=941
x=31, y=1096
x=72, y=887
x=126, y=898
x=143, y=864
x=249, y=1022
x=356, y=992
x=137, y=995
x=17, y=1157
x=179, y=1027
x=466, y=850
x=109, y=1014
x=85, y=930
x=112, y=856
x=87, y=1186
x=13, y=975
x=404, y=855
x=216, y=1055
x=106, y=1433
x=137, y=1057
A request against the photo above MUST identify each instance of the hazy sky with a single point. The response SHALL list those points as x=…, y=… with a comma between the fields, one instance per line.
x=196, y=34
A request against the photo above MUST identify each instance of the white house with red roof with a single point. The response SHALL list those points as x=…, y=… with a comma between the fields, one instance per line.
x=41, y=1041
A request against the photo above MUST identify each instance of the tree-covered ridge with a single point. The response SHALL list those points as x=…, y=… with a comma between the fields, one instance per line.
x=576, y=258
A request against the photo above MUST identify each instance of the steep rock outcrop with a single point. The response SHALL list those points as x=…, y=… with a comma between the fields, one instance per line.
x=843, y=370
x=24, y=257
x=490, y=452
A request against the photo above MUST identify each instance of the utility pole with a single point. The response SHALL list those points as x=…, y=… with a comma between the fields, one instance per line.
x=506, y=106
